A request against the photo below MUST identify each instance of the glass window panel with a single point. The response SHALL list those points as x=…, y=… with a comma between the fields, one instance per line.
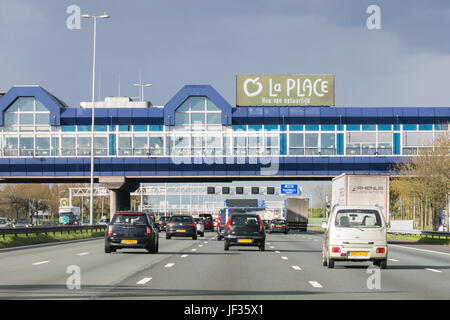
x=384, y=127
x=26, y=104
x=184, y=106
x=210, y=106
x=369, y=127
x=311, y=151
x=239, y=128
x=340, y=127
x=140, y=128
x=156, y=128
x=197, y=118
x=313, y=127
x=13, y=107
x=213, y=141
x=353, y=149
x=409, y=151
x=296, y=140
x=197, y=142
x=11, y=143
x=68, y=128
x=112, y=128
x=384, y=148
x=254, y=127
x=272, y=141
x=297, y=151
x=255, y=141
x=271, y=127
x=40, y=107
x=311, y=140
x=42, y=118
x=197, y=103
x=296, y=127
x=43, y=128
x=26, y=128
x=26, y=118
x=84, y=146
x=396, y=127
x=417, y=139
x=43, y=146
x=181, y=118
x=84, y=129
x=213, y=118
x=11, y=119
x=353, y=127
x=124, y=128
x=368, y=148
x=101, y=128
x=327, y=140
x=384, y=137
x=125, y=146
x=328, y=127
x=425, y=127
x=67, y=146
x=156, y=145
x=441, y=127
x=181, y=142
x=409, y=127
x=55, y=146
x=140, y=143
x=26, y=145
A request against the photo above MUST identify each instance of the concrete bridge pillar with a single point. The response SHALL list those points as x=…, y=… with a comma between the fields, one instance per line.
x=119, y=193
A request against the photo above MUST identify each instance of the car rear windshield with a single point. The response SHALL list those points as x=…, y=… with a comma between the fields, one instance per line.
x=244, y=220
x=129, y=219
x=182, y=219
x=278, y=221
x=358, y=219
x=3, y=221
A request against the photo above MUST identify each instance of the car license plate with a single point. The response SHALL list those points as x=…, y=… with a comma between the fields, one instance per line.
x=358, y=254
x=245, y=240
x=129, y=241
x=181, y=230
x=278, y=226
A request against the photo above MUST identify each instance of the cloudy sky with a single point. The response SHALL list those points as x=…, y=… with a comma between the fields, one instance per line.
x=178, y=42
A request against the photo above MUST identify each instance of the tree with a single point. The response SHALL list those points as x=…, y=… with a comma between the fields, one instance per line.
x=422, y=182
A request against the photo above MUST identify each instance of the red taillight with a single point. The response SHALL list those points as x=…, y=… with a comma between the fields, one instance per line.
x=261, y=226
x=335, y=249
x=284, y=225
x=272, y=225
x=228, y=224
x=192, y=224
x=149, y=231
x=170, y=224
x=160, y=222
x=381, y=250
x=109, y=233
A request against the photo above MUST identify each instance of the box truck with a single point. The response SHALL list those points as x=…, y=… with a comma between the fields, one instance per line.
x=69, y=215
x=296, y=213
x=361, y=190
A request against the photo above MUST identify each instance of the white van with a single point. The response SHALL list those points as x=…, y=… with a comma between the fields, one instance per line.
x=355, y=233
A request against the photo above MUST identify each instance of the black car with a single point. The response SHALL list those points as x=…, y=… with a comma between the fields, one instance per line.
x=163, y=223
x=278, y=225
x=244, y=229
x=181, y=226
x=131, y=230
x=222, y=220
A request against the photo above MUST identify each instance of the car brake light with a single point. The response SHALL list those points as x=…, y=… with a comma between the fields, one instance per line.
x=228, y=224
x=260, y=224
x=192, y=224
x=272, y=225
x=149, y=231
x=380, y=250
x=335, y=249
x=160, y=222
x=109, y=231
x=170, y=224
x=284, y=225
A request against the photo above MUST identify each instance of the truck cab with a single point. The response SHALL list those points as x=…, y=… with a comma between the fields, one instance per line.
x=355, y=234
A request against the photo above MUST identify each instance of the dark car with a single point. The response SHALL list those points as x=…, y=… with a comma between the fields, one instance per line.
x=208, y=221
x=278, y=225
x=22, y=223
x=244, y=229
x=131, y=230
x=222, y=220
x=266, y=223
x=162, y=223
x=181, y=226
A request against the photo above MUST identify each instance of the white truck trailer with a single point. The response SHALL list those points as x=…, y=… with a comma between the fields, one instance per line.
x=361, y=189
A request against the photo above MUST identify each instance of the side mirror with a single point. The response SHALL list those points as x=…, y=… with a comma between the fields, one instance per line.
x=324, y=225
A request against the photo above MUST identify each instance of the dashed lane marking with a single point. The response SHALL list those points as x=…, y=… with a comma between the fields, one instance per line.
x=284, y=258
x=82, y=253
x=315, y=284
x=169, y=265
x=184, y=256
x=433, y=270
x=296, y=268
x=144, y=281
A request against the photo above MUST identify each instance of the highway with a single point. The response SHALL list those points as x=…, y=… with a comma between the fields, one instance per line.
x=290, y=268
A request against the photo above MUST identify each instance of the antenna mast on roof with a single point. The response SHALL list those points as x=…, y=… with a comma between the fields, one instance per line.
x=141, y=86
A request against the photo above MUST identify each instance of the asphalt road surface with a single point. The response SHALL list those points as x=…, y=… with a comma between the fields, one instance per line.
x=290, y=268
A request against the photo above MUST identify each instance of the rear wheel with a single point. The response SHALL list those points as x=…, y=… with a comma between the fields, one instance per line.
x=194, y=237
x=107, y=248
x=383, y=264
x=167, y=237
x=219, y=238
x=262, y=248
x=324, y=260
x=226, y=246
x=330, y=263
x=202, y=234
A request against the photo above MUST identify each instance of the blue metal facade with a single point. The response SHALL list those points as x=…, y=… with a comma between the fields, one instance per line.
x=284, y=164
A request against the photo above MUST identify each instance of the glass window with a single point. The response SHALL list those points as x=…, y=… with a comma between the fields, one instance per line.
x=84, y=146
x=26, y=118
x=327, y=143
x=409, y=127
x=14, y=107
x=181, y=118
x=100, y=146
x=124, y=128
x=441, y=126
x=156, y=128
x=125, y=148
x=384, y=127
x=26, y=104
x=254, y=127
x=353, y=127
x=101, y=128
x=184, y=106
x=213, y=118
x=26, y=145
x=296, y=127
x=311, y=143
x=425, y=127
x=68, y=128
x=84, y=129
x=314, y=127
x=210, y=106
x=42, y=118
x=11, y=146
x=67, y=146
x=296, y=140
x=140, y=145
x=327, y=127
x=358, y=219
x=369, y=127
x=43, y=146
x=197, y=103
x=239, y=128
x=156, y=146
x=11, y=119
x=197, y=118
x=40, y=107
x=270, y=127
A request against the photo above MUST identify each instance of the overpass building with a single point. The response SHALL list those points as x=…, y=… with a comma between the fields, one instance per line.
x=198, y=136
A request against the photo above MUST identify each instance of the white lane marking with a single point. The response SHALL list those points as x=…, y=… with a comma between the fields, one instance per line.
x=272, y=247
x=433, y=270
x=284, y=258
x=315, y=284
x=394, y=260
x=268, y=243
x=200, y=245
x=417, y=249
x=144, y=281
x=277, y=251
x=296, y=268
x=40, y=262
x=82, y=253
x=184, y=256
x=205, y=242
x=194, y=250
x=169, y=265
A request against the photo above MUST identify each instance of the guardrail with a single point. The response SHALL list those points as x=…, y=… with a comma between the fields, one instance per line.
x=46, y=230
x=432, y=234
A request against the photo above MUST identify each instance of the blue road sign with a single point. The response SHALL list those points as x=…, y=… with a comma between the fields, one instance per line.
x=289, y=189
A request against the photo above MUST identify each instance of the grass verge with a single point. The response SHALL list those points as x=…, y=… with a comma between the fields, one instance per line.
x=22, y=240
x=417, y=239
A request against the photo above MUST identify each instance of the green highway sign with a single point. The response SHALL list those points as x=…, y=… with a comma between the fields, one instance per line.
x=285, y=90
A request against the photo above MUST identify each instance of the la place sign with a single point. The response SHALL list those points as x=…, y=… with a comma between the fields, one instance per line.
x=285, y=90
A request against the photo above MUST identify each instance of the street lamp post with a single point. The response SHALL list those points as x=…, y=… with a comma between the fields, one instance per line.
x=91, y=204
